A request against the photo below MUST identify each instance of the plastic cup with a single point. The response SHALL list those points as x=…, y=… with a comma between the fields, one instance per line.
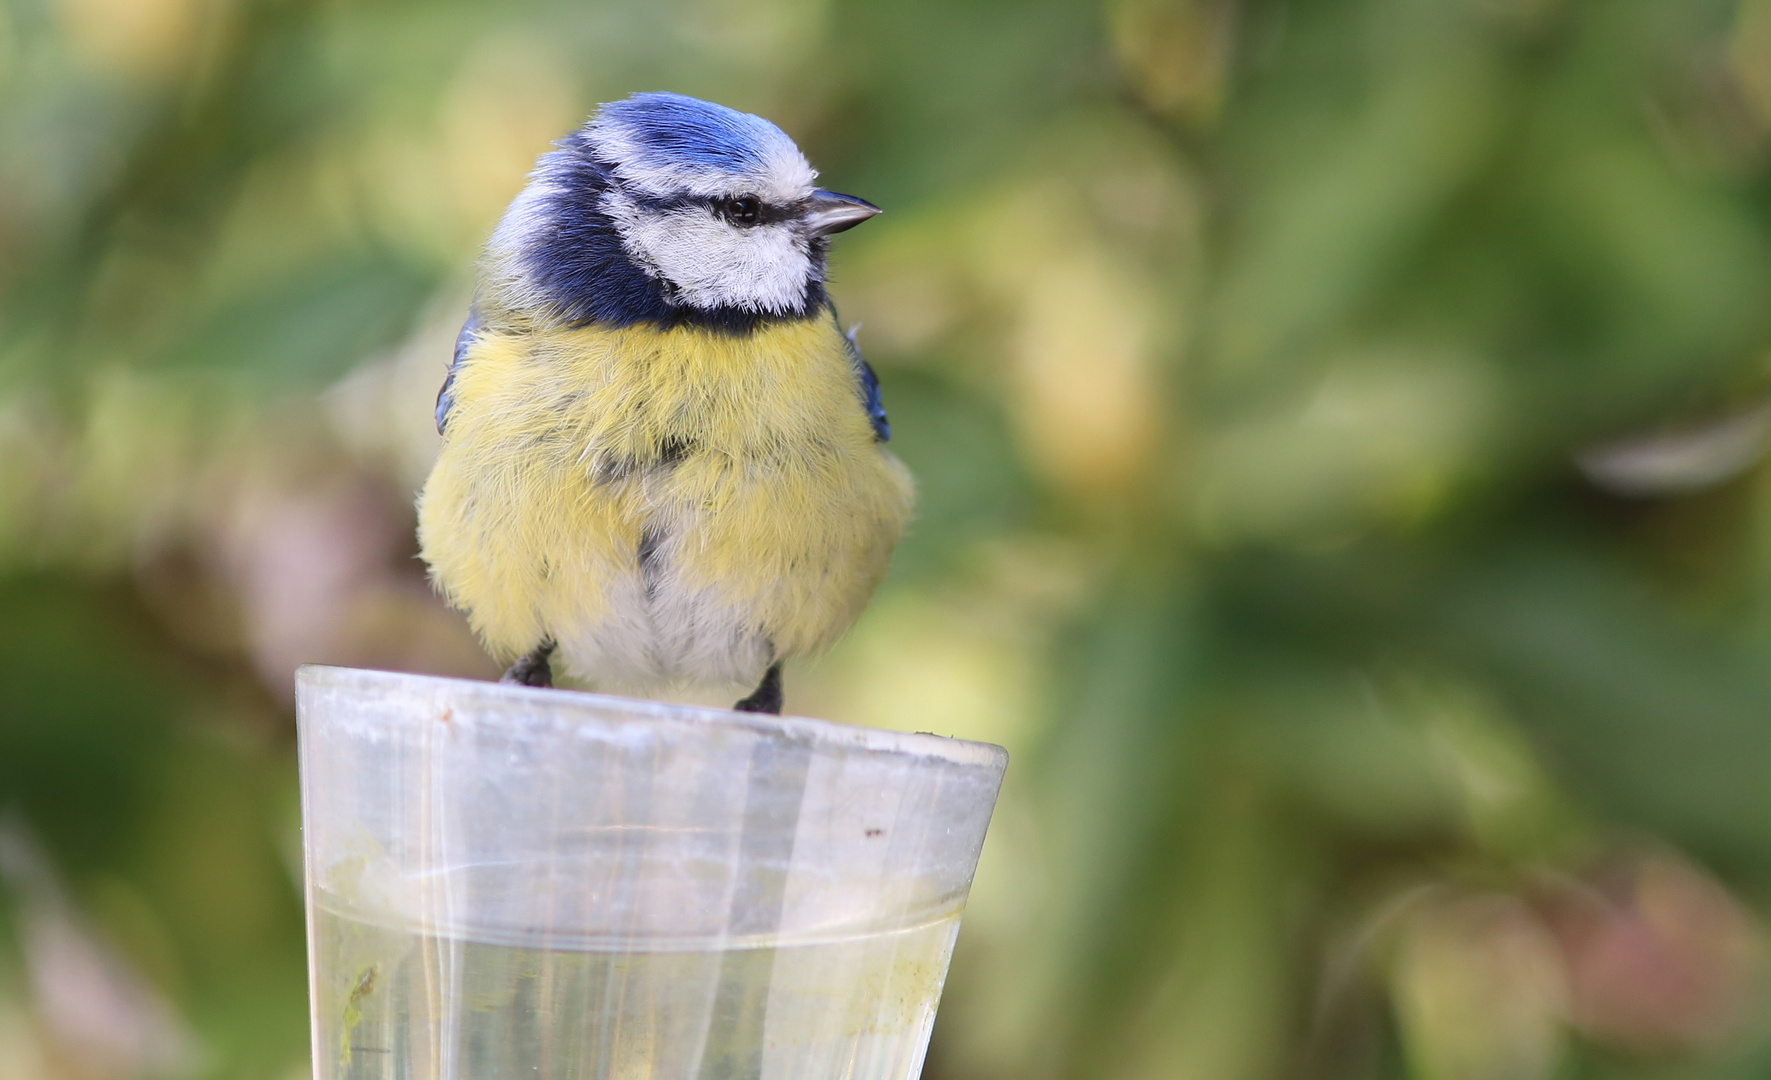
x=505, y=882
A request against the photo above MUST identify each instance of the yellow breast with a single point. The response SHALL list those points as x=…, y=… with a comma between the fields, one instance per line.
x=747, y=458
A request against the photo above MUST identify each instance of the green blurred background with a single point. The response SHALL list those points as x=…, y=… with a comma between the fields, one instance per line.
x=1340, y=428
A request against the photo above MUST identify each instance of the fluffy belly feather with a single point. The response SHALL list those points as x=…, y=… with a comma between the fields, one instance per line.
x=668, y=506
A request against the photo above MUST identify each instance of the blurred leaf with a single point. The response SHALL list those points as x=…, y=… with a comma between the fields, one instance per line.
x=311, y=329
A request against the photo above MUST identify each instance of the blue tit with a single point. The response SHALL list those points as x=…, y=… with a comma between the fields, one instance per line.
x=663, y=461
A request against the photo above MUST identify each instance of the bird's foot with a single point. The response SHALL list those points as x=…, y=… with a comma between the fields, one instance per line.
x=532, y=669
x=766, y=698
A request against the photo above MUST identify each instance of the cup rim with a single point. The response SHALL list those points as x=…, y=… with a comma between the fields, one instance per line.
x=519, y=704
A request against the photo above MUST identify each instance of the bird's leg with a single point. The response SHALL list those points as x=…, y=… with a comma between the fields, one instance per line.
x=766, y=698
x=532, y=668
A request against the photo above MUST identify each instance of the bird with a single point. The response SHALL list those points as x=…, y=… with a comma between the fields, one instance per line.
x=664, y=461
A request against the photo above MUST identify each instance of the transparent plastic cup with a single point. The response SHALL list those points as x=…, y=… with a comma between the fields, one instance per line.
x=510, y=882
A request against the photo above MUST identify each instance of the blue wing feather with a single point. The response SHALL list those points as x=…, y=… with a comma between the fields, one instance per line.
x=867, y=386
x=462, y=341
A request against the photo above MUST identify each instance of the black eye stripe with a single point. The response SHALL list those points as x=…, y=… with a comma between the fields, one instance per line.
x=767, y=213
x=747, y=210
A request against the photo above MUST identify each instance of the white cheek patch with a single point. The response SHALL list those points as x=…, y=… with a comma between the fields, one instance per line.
x=712, y=263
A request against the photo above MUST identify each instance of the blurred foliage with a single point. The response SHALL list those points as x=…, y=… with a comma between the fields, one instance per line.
x=1340, y=428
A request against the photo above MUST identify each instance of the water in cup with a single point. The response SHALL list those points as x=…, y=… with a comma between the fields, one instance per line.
x=401, y=1002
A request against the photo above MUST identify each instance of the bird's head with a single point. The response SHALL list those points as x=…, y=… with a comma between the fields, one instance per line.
x=668, y=209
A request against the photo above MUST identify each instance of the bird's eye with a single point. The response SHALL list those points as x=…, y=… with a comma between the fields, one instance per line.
x=743, y=210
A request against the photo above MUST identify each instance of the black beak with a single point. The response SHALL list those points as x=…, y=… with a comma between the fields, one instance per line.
x=829, y=212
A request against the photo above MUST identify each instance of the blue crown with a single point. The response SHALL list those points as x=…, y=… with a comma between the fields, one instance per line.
x=674, y=130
